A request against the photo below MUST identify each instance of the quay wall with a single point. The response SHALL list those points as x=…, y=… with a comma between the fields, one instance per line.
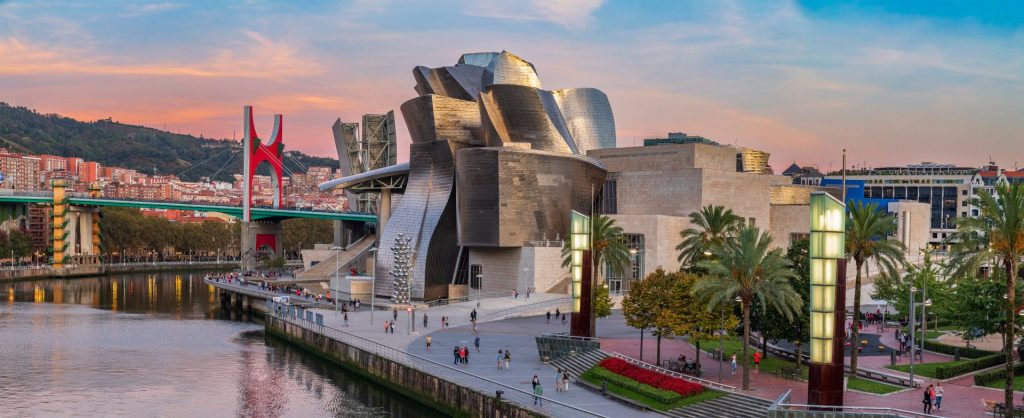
x=100, y=270
x=445, y=396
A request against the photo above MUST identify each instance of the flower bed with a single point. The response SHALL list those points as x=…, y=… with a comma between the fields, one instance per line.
x=652, y=378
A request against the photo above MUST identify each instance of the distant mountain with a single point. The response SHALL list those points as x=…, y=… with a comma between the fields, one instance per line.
x=116, y=144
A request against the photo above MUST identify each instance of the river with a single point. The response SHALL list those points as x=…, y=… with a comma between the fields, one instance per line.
x=160, y=345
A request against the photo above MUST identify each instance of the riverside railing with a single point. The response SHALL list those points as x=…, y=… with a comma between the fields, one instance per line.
x=649, y=366
x=524, y=399
x=467, y=298
x=253, y=289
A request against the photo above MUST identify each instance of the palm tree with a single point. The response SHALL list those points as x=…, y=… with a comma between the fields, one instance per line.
x=867, y=231
x=608, y=247
x=709, y=227
x=994, y=238
x=746, y=267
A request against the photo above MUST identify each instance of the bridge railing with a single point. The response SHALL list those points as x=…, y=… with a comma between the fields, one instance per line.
x=522, y=398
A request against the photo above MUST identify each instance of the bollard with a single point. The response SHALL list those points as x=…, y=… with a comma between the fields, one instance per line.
x=956, y=354
x=498, y=393
x=892, y=357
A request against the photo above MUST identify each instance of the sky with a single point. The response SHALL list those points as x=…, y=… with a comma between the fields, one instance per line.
x=891, y=82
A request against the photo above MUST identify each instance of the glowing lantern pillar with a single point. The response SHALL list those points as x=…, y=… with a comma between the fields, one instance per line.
x=582, y=276
x=828, y=299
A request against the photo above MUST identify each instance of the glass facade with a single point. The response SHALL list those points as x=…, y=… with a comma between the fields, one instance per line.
x=620, y=282
x=579, y=241
x=827, y=246
x=941, y=198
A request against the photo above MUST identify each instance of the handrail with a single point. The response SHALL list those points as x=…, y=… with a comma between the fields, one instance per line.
x=467, y=298
x=857, y=410
x=782, y=399
x=266, y=294
x=509, y=393
x=568, y=337
x=505, y=312
x=649, y=366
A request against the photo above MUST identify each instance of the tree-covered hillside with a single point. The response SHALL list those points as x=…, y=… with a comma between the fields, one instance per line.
x=136, y=147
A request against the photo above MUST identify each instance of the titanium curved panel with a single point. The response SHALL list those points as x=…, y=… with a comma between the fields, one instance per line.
x=507, y=68
x=482, y=59
x=426, y=214
x=588, y=116
x=461, y=81
x=509, y=196
x=434, y=117
x=520, y=114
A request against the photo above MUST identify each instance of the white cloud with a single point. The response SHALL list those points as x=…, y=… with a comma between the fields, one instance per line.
x=573, y=14
x=149, y=8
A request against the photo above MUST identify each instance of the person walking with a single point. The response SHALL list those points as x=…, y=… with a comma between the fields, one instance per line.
x=938, y=396
x=557, y=313
x=558, y=380
x=346, y=319
x=385, y=327
x=927, y=401
x=563, y=320
x=757, y=362
x=549, y=317
x=537, y=392
x=565, y=380
x=501, y=359
x=508, y=359
x=429, y=340
x=476, y=343
x=424, y=320
x=732, y=364
x=466, y=350
x=455, y=353
x=394, y=313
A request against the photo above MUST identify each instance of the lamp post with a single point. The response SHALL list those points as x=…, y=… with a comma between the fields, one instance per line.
x=912, y=348
x=479, y=284
x=373, y=281
x=335, y=283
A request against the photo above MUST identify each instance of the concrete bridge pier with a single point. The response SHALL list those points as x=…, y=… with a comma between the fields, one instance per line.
x=257, y=237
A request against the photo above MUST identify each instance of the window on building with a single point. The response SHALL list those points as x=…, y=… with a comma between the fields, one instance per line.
x=609, y=198
x=797, y=237
x=752, y=221
x=964, y=192
x=475, y=275
x=963, y=214
x=935, y=235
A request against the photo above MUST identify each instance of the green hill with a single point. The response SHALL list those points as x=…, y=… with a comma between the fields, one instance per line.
x=137, y=147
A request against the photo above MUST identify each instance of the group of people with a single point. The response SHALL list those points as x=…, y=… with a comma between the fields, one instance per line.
x=562, y=380
x=389, y=326
x=559, y=315
x=538, y=391
x=932, y=396
x=461, y=355
x=691, y=368
x=504, y=358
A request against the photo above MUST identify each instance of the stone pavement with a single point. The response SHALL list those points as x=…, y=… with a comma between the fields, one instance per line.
x=516, y=334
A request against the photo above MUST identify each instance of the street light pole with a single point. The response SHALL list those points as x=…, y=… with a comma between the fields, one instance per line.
x=337, y=253
x=912, y=347
x=479, y=285
x=373, y=281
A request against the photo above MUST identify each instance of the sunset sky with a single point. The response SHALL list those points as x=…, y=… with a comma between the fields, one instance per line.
x=893, y=83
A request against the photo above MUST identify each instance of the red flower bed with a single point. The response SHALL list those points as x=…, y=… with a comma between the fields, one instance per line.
x=650, y=377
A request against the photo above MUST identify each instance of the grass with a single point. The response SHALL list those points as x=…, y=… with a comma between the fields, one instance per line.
x=871, y=386
x=924, y=369
x=1018, y=384
x=652, y=403
x=769, y=364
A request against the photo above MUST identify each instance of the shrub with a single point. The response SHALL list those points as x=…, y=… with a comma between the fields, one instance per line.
x=946, y=372
x=650, y=377
x=660, y=395
x=932, y=345
x=982, y=379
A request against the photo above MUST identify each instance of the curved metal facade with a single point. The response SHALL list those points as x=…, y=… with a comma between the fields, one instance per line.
x=508, y=68
x=518, y=114
x=433, y=117
x=588, y=116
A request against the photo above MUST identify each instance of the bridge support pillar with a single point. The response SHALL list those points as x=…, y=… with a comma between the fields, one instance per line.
x=259, y=240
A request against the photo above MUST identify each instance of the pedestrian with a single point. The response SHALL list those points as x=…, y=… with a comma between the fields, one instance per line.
x=927, y=401
x=385, y=327
x=563, y=320
x=757, y=362
x=394, y=313
x=424, y=320
x=527, y=292
x=501, y=359
x=557, y=313
x=429, y=340
x=538, y=390
x=508, y=359
x=732, y=364
x=565, y=381
x=535, y=381
x=515, y=294
x=938, y=395
x=466, y=350
x=558, y=380
x=346, y=319
x=455, y=353
x=476, y=342
x=549, y=317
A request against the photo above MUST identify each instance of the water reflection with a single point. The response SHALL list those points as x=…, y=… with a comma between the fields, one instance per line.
x=158, y=345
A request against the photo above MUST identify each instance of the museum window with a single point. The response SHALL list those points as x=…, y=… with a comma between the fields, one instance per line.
x=608, y=203
x=475, y=275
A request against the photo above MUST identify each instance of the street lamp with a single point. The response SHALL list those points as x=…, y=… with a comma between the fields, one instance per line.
x=721, y=342
x=335, y=283
x=373, y=281
x=479, y=284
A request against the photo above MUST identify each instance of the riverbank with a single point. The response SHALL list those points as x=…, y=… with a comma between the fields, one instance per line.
x=22, y=274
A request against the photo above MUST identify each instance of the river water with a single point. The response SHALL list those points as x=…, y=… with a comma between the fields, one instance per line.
x=160, y=345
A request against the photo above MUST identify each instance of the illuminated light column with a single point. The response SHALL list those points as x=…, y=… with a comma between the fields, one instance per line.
x=582, y=276
x=58, y=223
x=96, y=192
x=827, y=304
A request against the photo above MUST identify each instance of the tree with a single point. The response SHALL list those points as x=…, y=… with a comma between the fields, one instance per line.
x=896, y=289
x=867, y=232
x=602, y=302
x=20, y=243
x=974, y=304
x=710, y=227
x=746, y=266
x=608, y=248
x=994, y=238
x=689, y=315
x=776, y=327
x=641, y=305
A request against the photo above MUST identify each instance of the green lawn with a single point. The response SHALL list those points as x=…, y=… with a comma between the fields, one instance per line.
x=924, y=369
x=1018, y=383
x=871, y=386
x=652, y=403
x=769, y=364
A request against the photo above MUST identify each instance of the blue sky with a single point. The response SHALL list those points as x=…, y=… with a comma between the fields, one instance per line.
x=892, y=82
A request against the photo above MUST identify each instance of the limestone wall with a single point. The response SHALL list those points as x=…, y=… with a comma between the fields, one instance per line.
x=787, y=220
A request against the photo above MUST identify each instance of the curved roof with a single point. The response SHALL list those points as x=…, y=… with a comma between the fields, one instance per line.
x=390, y=177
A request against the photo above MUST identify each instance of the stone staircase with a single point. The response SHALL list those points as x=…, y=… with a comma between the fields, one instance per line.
x=732, y=405
x=339, y=262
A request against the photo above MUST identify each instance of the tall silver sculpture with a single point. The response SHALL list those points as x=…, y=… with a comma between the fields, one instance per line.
x=516, y=153
x=400, y=267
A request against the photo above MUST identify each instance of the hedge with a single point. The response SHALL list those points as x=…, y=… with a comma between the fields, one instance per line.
x=650, y=377
x=982, y=379
x=932, y=345
x=947, y=372
x=660, y=395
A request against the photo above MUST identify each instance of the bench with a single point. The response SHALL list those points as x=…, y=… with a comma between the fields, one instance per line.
x=1000, y=410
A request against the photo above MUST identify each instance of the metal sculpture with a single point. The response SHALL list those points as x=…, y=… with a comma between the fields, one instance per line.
x=400, y=266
